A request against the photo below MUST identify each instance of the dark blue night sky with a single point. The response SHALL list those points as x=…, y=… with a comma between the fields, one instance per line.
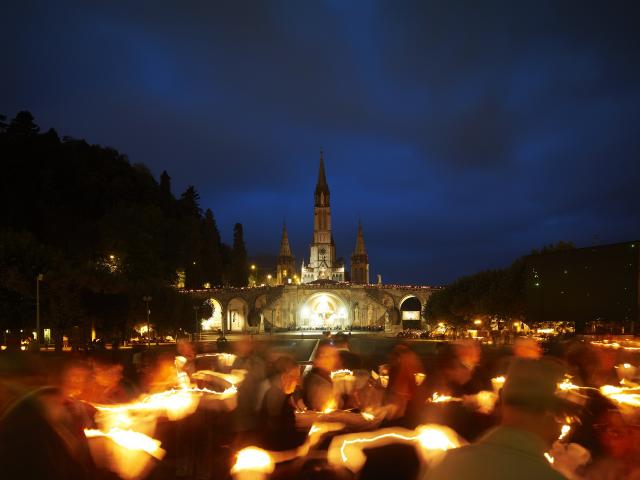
x=463, y=134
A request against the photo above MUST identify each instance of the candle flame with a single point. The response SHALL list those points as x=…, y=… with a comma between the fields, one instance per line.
x=253, y=459
x=341, y=373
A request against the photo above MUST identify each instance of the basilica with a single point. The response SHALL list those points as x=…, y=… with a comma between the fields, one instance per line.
x=322, y=264
x=321, y=294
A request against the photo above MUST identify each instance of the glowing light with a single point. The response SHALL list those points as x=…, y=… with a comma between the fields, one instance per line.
x=432, y=440
x=485, y=401
x=498, y=382
x=549, y=458
x=477, y=322
x=437, y=398
x=419, y=378
x=330, y=406
x=367, y=416
x=564, y=431
x=124, y=452
x=253, y=459
x=341, y=373
x=130, y=440
x=626, y=396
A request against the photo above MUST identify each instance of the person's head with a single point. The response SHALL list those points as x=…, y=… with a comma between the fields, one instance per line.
x=340, y=340
x=326, y=357
x=529, y=399
x=244, y=346
x=287, y=372
x=468, y=352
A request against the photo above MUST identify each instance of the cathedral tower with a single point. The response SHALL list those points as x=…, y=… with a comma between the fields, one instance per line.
x=360, y=260
x=322, y=260
x=286, y=264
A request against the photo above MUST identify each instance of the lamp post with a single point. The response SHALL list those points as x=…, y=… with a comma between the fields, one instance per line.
x=38, y=280
x=146, y=299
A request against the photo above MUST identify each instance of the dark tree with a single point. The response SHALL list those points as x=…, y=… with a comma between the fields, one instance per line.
x=212, y=263
x=165, y=183
x=190, y=202
x=103, y=232
x=239, y=272
x=23, y=124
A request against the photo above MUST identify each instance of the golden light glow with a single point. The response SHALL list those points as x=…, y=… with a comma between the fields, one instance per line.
x=253, y=459
x=566, y=428
x=431, y=440
x=627, y=396
x=368, y=416
x=498, y=382
x=437, y=398
x=130, y=440
x=341, y=373
x=330, y=406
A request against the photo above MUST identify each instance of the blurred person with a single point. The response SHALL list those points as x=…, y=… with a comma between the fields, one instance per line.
x=106, y=385
x=317, y=385
x=278, y=407
x=249, y=359
x=347, y=359
x=532, y=417
x=402, y=390
x=620, y=454
x=527, y=347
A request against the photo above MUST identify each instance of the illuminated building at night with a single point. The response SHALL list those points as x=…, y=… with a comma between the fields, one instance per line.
x=318, y=296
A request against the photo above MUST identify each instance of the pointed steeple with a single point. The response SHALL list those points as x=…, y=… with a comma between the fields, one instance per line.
x=285, y=249
x=360, y=248
x=322, y=188
x=360, y=260
x=322, y=179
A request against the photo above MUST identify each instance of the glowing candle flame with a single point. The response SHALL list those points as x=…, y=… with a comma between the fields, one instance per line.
x=340, y=373
x=564, y=431
x=368, y=416
x=627, y=396
x=347, y=450
x=498, y=382
x=253, y=459
x=330, y=406
x=130, y=440
x=437, y=398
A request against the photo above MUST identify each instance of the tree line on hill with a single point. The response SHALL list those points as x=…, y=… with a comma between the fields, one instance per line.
x=498, y=293
x=104, y=233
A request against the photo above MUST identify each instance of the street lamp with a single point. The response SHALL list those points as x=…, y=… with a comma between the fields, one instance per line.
x=39, y=278
x=146, y=299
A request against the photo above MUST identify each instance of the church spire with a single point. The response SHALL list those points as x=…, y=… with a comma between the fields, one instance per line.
x=286, y=263
x=360, y=248
x=322, y=188
x=285, y=249
x=360, y=260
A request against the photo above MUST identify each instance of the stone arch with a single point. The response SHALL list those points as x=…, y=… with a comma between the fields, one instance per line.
x=410, y=311
x=237, y=313
x=325, y=310
x=210, y=319
x=260, y=302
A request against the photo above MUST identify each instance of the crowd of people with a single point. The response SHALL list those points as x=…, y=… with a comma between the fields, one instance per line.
x=512, y=428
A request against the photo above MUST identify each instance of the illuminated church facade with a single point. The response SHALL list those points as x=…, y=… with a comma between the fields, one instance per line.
x=321, y=295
